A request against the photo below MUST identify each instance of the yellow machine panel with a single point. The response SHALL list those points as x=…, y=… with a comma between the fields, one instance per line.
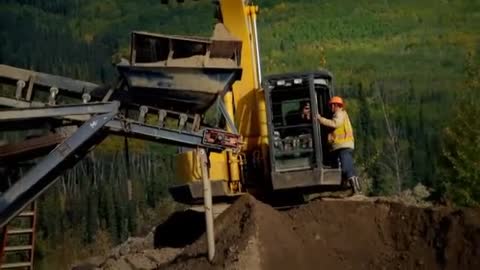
x=245, y=104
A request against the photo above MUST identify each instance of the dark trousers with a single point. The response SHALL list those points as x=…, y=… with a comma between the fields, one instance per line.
x=345, y=156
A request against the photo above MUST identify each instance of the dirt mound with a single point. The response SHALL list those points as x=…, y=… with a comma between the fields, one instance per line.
x=220, y=32
x=180, y=229
x=241, y=232
x=357, y=233
x=339, y=234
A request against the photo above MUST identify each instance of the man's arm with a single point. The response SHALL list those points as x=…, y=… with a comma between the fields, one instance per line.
x=336, y=122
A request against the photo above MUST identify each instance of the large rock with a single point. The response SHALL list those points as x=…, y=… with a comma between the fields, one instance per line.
x=120, y=264
x=161, y=256
x=140, y=262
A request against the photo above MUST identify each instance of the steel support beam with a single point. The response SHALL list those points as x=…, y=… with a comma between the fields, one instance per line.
x=207, y=203
x=223, y=110
x=126, y=127
x=30, y=148
x=57, y=111
x=10, y=102
x=12, y=75
x=155, y=133
x=44, y=174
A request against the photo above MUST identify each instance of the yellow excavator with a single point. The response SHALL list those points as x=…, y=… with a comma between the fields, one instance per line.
x=282, y=156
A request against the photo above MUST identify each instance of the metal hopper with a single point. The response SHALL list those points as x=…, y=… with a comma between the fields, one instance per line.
x=180, y=73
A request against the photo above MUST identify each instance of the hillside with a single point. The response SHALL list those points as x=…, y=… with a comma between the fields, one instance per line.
x=418, y=51
x=424, y=41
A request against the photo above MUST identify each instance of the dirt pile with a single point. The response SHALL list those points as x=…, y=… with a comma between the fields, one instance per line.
x=195, y=61
x=135, y=253
x=340, y=234
x=220, y=32
x=324, y=234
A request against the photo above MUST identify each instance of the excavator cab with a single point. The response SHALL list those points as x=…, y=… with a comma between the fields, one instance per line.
x=299, y=150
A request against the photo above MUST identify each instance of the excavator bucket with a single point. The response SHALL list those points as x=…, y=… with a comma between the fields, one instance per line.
x=180, y=73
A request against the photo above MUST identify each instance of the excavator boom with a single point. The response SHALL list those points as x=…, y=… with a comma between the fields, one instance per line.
x=259, y=110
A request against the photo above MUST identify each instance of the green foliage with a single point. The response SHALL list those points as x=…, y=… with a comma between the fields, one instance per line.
x=93, y=198
x=415, y=49
x=460, y=161
x=460, y=150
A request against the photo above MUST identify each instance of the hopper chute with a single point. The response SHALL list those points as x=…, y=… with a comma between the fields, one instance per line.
x=178, y=72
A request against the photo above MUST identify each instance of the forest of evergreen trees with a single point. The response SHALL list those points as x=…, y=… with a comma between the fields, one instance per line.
x=409, y=70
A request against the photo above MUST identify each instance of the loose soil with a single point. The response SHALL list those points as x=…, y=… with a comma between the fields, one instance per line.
x=340, y=234
x=220, y=32
x=194, y=61
x=325, y=234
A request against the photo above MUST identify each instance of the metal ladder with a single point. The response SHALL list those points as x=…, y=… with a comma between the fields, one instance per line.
x=18, y=245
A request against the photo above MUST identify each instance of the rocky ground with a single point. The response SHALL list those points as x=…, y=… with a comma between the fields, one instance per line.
x=354, y=233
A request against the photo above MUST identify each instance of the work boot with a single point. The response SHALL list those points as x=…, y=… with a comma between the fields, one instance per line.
x=355, y=184
x=359, y=184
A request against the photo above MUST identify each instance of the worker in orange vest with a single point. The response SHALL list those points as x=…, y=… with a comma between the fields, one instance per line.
x=342, y=140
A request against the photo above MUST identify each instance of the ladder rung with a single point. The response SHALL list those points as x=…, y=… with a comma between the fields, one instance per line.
x=18, y=248
x=26, y=214
x=16, y=265
x=20, y=231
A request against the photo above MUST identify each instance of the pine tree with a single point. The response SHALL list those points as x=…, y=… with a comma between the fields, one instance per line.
x=460, y=164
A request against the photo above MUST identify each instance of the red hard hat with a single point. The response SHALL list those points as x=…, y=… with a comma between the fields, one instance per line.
x=336, y=100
